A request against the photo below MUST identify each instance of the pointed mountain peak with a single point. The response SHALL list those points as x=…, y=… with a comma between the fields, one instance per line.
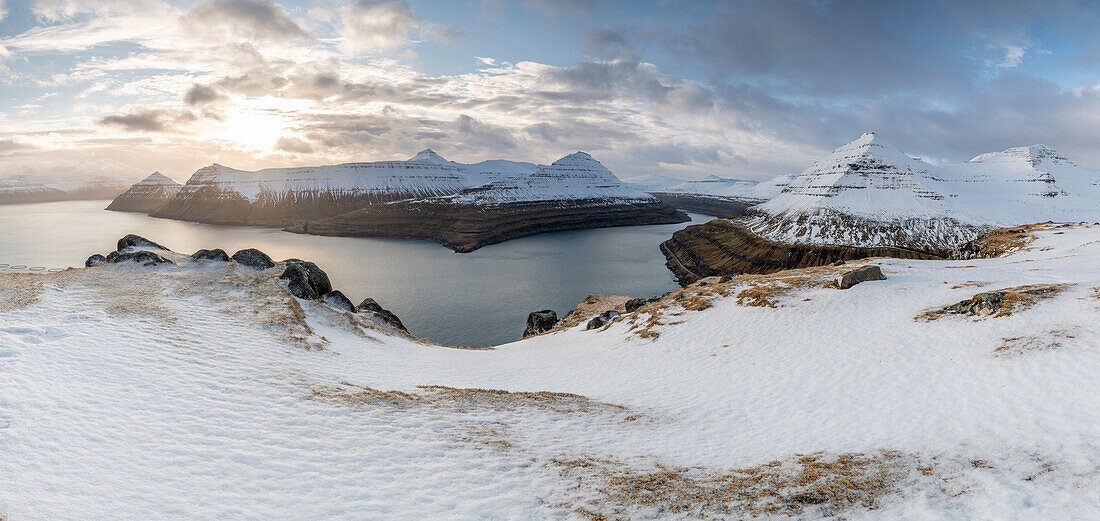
x=576, y=158
x=427, y=156
x=157, y=178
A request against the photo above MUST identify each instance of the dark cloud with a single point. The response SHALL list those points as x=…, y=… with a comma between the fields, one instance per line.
x=243, y=19
x=151, y=120
x=202, y=94
x=608, y=44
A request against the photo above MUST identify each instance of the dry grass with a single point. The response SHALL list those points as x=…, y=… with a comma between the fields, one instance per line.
x=19, y=290
x=1020, y=345
x=793, y=486
x=1005, y=241
x=465, y=399
x=1012, y=300
x=493, y=436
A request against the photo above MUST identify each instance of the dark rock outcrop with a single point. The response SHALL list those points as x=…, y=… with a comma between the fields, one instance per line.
x=217, y=254
x=141, y=257
x=305, y=280
x=540, y=322
x=467, y=227
x=633, y=304
x=253, y=258
x=371, y=307
x=602, y=320
x=722, y=247
x=137, y=241
x=94, y=260
x=860, y=274
x=337, y=299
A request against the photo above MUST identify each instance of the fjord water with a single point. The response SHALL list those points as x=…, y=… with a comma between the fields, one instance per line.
x=471, y=299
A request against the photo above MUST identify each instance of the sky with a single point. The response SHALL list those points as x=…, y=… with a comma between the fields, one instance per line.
x=746, y=89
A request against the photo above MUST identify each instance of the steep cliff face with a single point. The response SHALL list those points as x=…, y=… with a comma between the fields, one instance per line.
x=146, y=196
x=722, y=247
x=574, y=192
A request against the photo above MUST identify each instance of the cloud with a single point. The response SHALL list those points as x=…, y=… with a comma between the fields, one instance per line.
x=443, y=33
x=608, y=44
x=150, y=120
x=293, y=145
x=202, y=95
x=376, y=25
x=559, y=8
x=243, y=19
x=9, y=145
x=3, y=10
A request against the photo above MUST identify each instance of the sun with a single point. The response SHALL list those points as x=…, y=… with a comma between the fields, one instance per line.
x=255, y=124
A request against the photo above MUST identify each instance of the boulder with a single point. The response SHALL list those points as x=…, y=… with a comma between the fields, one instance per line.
x=839, y=262
x=602, y=320
x=369, y=306
x=318, y=279
x=861, y=274
x=540, y=322
x=254, y=258
x=982, y=304
x=141, y=257
x=337, y=299
x=137, y=241
x=94, y=260
x=297, y=281
x=633, y=304
x=217, y=254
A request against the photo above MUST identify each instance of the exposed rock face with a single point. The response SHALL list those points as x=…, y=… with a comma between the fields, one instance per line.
x=602, y=320
x=633, y=304
x=540, y=322
x=147, y=195
x=370, y=306
x=337, y=299
x=137, y=241
x=467, y=227
x=94, y=260
x=721, y=247
x=217, y=254
x=316, y=277
x=860, y=274
x=141, y=257
x=253, y=258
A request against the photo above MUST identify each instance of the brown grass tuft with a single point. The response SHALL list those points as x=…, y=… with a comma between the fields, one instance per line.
x=1020, y=345
x=781, y=487
x=1008, y=301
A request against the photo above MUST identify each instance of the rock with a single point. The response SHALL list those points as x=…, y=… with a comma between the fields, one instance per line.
x=137, y=241
x=318, y=279
x=540, y=322
x=633, y=304
x=254, y=258
x=94, y=260
x=299, y=283
x=141, y=257
x=337, y=299
x=602, y=320
x=725, y=279
x=370, y=306
x=217, y=254
x=981, y=305
x=839, y=262
x=861, y=274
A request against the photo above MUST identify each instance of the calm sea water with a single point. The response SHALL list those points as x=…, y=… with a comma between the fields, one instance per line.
x=469, y=299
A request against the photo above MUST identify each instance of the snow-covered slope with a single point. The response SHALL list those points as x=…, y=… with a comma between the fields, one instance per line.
x=737, y=189
x=190, y=392
x=147, y=195
x=869, y=193
x=652, y=182
x=576, y=177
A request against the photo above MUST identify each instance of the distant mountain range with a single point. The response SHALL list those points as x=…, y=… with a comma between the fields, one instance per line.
x=463, y=206
x=37, y=189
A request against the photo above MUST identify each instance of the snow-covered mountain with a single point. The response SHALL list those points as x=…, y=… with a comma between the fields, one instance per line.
x=147, y=195
x=285, y=196
x=652, y=182
x=39, y=188
x=518, y=199
x=868, y=193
